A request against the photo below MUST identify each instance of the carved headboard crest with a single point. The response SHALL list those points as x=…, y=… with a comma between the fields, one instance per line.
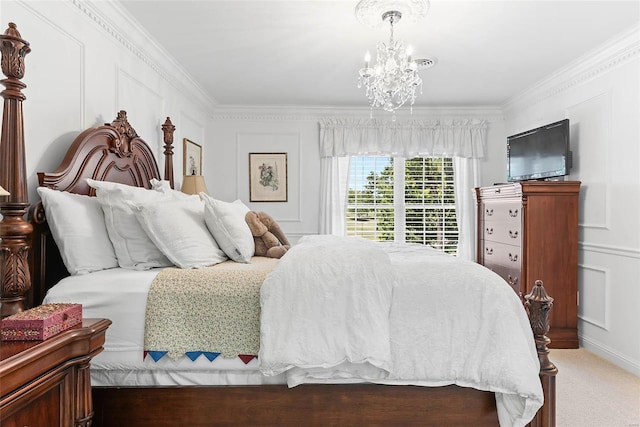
x=121, y=145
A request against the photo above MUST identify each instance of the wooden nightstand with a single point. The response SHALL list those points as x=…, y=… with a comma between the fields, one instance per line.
x=47, y=383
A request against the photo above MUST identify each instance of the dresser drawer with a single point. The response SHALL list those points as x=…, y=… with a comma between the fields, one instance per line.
x=494, y=253
x=508, y=212
x=511, y=275
x=509, y=232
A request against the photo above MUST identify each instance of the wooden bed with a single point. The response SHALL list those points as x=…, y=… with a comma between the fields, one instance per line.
x=31, y=265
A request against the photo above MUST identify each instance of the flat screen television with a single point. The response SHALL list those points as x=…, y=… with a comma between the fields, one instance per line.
x=539, y=154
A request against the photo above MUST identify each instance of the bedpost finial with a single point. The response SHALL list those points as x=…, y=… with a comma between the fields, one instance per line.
x=12, y=30
x=167, y=130
x=168, y=125
x=14, y=49
x=538, y=304
x=12, y=33
x=539, y=294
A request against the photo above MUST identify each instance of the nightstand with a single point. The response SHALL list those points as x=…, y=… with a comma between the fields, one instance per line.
x=47, y=383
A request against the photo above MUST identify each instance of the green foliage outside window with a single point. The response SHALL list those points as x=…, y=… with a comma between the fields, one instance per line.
x=429, y=204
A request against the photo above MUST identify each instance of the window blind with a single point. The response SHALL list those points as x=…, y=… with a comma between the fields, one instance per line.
x=406, y=200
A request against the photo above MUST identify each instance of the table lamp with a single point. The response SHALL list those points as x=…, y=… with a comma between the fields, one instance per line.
x=194, y=184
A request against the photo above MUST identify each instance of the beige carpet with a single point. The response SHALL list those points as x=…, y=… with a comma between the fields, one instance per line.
x=593, y=392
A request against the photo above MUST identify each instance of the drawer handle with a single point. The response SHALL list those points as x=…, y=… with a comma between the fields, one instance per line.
x=489, y=212
x=497, y=191
x=513, y=214
x=490, y=230
x=513, y=258
x=489, y=251
x=513, y=234
x=512, y=280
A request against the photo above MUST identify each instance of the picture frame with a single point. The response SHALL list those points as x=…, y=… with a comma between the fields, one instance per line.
x=192, y=158
x=268, y=177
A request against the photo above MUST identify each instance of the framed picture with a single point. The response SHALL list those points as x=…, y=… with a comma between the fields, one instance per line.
x=268, y=177
x=192, y=154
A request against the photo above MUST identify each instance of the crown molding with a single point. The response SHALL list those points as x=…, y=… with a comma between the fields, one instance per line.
x=307, y=113
x=616, y=52
x=130, y=34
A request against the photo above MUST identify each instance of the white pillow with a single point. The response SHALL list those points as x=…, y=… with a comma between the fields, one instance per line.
x=164, y=186
x=132, y=246
x=160, y=184
x=77, y=226
x=226, y=223
x=178, y=229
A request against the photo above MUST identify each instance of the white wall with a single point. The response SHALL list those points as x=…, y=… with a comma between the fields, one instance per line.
x=600, y=95
x=87, y=62
x=235, y=132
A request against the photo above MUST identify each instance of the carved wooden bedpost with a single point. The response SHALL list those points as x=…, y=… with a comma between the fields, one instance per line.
x=15, y=232
x=538, y=304
x=167, y=129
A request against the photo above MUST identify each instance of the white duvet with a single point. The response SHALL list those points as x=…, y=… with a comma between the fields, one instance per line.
x=339, y=309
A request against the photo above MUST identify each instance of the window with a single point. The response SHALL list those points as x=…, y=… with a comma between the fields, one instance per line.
x=406, y=200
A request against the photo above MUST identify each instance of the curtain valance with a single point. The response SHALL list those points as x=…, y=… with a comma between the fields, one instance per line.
x=438, y=138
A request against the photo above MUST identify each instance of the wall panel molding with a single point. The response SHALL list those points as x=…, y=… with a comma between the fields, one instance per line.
x=591, y=143
x=610, y=250
x=596, y=310
x=81, y=60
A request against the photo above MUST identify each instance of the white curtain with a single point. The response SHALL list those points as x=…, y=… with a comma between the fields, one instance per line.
x=437, y=138
x=333, y=194
x=466, y=178
x=462, y=139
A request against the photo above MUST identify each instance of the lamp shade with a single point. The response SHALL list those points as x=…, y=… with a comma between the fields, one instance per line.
x=3, y=192
x=194, y=184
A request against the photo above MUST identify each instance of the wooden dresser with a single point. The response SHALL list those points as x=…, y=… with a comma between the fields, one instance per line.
x=47, y=383
x=528, y=231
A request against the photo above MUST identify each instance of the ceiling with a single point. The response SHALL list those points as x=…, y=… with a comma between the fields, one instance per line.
x=308, y=53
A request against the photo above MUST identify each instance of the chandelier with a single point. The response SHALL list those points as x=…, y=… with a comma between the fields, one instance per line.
x=394, y=79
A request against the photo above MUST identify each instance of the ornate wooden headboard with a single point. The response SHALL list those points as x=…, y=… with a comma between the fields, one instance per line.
x=113, y=152
x=30, y=261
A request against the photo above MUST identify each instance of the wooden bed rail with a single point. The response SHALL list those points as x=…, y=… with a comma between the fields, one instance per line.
x=15, y=232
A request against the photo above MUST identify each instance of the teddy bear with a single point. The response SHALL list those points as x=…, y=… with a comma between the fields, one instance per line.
x=269, y=239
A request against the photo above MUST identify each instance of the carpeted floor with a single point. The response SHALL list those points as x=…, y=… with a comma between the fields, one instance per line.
x=593, y=392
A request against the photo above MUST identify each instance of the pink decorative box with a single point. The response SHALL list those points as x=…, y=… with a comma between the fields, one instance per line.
x=42, y=322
